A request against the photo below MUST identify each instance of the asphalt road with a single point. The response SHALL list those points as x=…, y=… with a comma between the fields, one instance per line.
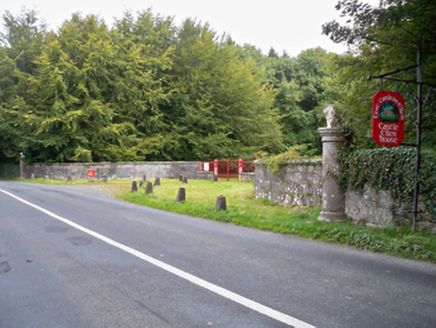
x=74, y=257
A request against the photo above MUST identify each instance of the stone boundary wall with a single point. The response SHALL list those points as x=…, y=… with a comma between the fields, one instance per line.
x=298, y=183
x=378, y=208
x=247, y=176
x=113, y=170
x=10, y=170
x=205, y=175
x=370, y=207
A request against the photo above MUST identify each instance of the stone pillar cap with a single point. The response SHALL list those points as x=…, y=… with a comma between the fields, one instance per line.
x=331, y=134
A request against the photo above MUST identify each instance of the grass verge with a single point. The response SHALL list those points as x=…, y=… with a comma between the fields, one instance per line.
x=245, y=210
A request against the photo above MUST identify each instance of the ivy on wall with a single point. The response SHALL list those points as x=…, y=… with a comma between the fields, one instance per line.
x=391, y=169
x=275, y=162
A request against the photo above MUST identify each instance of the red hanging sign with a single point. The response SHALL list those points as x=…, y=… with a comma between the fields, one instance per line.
x=388, y=118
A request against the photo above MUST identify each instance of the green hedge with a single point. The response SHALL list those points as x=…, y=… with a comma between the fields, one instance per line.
x=391, y=169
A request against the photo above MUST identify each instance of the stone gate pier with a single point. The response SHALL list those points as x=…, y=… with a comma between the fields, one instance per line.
x=333, y=198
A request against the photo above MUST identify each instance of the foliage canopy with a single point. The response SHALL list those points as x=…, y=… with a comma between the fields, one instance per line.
x=384, y=39
x=143, y=89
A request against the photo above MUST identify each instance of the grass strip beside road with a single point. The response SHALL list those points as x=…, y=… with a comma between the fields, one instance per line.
x=242, y=206
x=245, y=210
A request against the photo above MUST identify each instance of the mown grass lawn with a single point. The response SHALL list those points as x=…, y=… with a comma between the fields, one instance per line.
x=245, y=210
x=242, y=206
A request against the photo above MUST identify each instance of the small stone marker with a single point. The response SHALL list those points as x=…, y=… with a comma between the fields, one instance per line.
x=141, y=183
x=157, y=182
x=149, y=188
x=181, y=177
x=32, y=176
x=46, y=178
x=185, y=180
x=215, y=178
x=361, y=222
x=144, y=178
x=221, y=203
x=69, y=179
x=104, y=178
x=181, y=195
x=134, y=186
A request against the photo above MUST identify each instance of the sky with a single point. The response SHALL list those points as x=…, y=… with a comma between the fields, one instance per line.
x=285, y=25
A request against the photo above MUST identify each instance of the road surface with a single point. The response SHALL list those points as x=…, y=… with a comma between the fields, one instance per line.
x=71, y=256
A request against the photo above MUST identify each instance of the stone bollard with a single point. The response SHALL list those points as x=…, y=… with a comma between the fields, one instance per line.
x=149, y=188
x=157, y=182
x=46, y=178
x=215, y=178
x=185, y=180
x=144, y=178
x=32, y=176
x=104, y=178
x=221, y=203
x=181, y=195
x=134, y=186
x=333, y=199
x=69, y=179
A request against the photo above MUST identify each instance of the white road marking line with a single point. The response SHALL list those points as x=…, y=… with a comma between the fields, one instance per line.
x=182, y=274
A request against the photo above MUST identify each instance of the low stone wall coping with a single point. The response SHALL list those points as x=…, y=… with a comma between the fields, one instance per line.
x=310, y=161
x=111, y=163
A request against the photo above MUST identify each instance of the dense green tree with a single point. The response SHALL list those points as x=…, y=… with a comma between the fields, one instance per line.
x=140, y=86
x=384, y=39
x=93, y=94
x=141, y=90
x=299, y=86
x=67, y=110
x=301, y=97
x=20, y=44
x=219, y=107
